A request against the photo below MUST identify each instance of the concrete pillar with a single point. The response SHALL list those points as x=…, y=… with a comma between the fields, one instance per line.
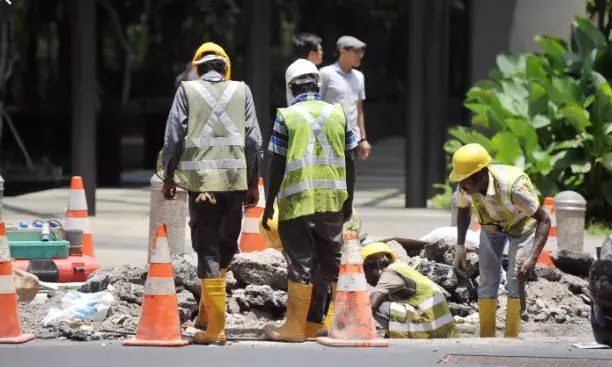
x=258, y=67
x=84, y=97
x=504, y=25
x=173, y=213
x=1, y=195
x=414, y=182
x=570, y=212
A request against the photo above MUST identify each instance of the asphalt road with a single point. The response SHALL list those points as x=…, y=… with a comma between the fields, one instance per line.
x=256, y=354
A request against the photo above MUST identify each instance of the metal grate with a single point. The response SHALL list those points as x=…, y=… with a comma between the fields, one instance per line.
x=523, y=361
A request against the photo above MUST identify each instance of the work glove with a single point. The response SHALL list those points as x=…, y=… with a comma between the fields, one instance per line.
x=460, y=262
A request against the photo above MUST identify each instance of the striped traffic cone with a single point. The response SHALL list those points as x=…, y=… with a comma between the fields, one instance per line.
x=352, y=324
x=250, y=239
x=159, y=324
x=10, y=323
x=551, y=210
x=476, y=226
x=76, y=214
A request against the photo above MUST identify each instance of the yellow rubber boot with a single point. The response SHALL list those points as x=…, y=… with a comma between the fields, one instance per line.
x=201, y=321
x=513, y=318
x=214, y=294
x=486, y=310
x=312, y=328
x=294, y=328
x=330, y=309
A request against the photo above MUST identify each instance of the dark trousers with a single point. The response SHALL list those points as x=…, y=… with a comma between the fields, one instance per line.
x=310, y=242
x=321, y=295
x=215, y=229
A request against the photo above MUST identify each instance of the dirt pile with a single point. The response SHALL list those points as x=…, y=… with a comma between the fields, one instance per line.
x=257, y=284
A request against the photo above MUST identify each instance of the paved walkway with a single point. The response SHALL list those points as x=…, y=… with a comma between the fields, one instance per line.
x=120, y=228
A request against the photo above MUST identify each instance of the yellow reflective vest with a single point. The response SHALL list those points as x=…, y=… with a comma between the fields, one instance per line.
x=514, y=222
x=425, y=315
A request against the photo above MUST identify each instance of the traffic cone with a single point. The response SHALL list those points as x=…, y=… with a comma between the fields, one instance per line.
x=476, y=226
x=76, y=214
x=352, y=324
x=10, y=323
x=159, y=324
x=545, y=259
x=551, y=210
x=251, y=240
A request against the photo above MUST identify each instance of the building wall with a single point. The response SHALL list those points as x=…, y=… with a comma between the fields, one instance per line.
x=499, y=25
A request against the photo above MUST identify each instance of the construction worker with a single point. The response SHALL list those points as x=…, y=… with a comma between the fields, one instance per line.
x=306, y=46
x=342, y=83
x=405, y=303
x=507, y=207
x=212, y=149
x=312, y=172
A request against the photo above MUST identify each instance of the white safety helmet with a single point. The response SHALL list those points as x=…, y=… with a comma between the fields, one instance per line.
x=302, y=71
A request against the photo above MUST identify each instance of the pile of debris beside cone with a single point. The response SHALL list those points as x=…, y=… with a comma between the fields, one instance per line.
x=257, y=285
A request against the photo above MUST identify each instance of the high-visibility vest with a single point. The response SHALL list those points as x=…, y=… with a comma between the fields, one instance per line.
x=424, y=315
x=514, y=222
x=213, y=156
x=315, y=173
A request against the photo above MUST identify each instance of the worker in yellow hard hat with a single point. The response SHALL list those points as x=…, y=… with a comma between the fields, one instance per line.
x=507, y=207
x=212, y=149
x=405, y=303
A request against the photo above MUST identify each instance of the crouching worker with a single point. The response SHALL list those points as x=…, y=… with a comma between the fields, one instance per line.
x=405, y=303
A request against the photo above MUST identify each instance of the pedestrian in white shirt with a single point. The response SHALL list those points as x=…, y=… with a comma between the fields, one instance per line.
x=342, y=83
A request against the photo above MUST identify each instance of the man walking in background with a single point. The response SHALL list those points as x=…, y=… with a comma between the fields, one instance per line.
x=305, y=46
x=341, y=83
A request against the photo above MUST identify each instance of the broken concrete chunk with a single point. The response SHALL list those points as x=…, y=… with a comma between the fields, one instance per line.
x=267, y=267
x=399, y=251
x=261, y=297
x=186, y=300
x=465, y=291
x=129, y=292
x=576, y=263
x=547, y=272
x=461, y=310
x=435, y=251
x=574, y=284
x=441, y=274
x=186, y=275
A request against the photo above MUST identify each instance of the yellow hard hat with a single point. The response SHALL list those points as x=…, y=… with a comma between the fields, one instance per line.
x=468, y=160
x=218, y=50
x=377, y=248
x=271, y=236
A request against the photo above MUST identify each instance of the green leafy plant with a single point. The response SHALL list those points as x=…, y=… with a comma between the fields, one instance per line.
x=442, y=200
x=550, y=114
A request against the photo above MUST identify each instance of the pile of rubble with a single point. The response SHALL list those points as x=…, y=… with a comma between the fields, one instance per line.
x=257, y=285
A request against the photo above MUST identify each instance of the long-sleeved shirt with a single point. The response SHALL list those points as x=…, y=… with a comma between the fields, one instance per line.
x=176, y=129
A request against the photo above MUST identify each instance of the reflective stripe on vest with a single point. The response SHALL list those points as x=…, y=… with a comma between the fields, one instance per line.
x=317, y=134
x=217, y=115
x=505, y=177
x=425, y=312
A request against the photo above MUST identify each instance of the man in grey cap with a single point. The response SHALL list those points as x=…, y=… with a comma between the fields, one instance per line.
x=343, y=84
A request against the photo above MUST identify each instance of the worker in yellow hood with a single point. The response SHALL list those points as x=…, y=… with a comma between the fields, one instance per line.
x=508, y=209
x=212, y=149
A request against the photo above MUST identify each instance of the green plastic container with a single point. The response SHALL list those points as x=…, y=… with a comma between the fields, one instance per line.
x=26, y=244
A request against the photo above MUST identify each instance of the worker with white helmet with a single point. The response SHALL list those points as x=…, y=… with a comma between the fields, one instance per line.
x=312, y=173
x=508, y=208
x=212, y=149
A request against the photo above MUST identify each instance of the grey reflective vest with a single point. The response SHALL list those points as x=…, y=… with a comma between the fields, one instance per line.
x=213, y=156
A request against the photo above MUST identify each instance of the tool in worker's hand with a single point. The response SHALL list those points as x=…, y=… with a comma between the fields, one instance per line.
x=522, y=297
x=206, y=196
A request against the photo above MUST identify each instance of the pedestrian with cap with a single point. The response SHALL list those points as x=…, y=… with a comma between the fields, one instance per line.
x=508, y=209
x=212, y=149
x=342, y=83
x=312, y=174
x=405, y=303
x=306, y=46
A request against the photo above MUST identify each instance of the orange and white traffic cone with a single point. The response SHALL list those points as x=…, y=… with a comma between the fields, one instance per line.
x=10, y=323
x=250, y=239
x=550, y=208
x=476, y=226
x=159, y=324
x=352, y=324
x=76, y=214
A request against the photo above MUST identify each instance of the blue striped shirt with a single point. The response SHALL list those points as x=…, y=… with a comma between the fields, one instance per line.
x=278, y=139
